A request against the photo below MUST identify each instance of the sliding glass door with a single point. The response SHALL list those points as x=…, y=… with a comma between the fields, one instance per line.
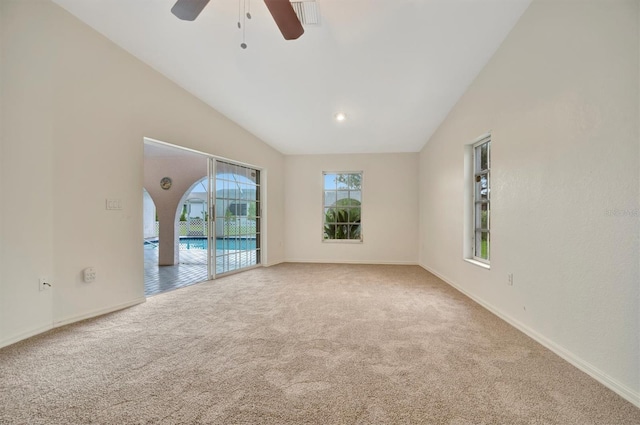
x=236, y=193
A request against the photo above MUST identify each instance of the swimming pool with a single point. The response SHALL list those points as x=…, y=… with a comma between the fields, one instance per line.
x=222, y=244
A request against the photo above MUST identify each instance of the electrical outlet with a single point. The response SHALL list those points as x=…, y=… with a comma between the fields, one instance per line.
x=44, y=284
x=89, y=275
x=510, y=281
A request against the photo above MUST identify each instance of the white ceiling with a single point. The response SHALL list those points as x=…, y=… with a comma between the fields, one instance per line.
x=395, y=67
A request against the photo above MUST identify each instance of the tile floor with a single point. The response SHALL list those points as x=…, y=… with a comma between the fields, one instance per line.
x=191, y=269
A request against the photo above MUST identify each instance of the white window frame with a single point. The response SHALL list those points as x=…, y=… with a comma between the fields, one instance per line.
x=324, y=206
x=472, y=231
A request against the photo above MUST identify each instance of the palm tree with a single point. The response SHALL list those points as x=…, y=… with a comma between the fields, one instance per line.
x=342, y=221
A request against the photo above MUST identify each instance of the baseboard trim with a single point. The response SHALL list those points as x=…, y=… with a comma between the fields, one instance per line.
x=386, y=263
x=619, y=388
x=99, y=312
x=68, y=321
x=24, y=335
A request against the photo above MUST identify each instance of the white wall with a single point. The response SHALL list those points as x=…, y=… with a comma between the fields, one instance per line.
x=561, y=99
x=2, y=59
x=389, y=208
x=26, y=184
x=75, y=110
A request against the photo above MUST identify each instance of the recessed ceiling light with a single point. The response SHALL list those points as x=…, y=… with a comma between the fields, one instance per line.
x=340, y=116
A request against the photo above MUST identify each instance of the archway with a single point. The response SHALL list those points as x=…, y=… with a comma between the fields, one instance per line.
x=170, y=174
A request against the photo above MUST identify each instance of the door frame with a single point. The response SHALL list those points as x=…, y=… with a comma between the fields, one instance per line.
x=211, y=207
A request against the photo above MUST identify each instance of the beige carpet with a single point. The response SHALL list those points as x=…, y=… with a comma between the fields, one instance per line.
x=298, y=344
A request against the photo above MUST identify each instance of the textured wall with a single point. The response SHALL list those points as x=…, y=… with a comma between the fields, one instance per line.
x=561, y=99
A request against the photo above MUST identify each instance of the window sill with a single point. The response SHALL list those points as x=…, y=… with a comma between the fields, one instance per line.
x=478, y=263
x=347, y=241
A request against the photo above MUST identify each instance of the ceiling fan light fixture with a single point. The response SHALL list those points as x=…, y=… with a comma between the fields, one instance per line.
x=340, y=116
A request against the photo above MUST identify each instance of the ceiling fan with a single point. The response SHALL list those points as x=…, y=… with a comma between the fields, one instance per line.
x=283, y=14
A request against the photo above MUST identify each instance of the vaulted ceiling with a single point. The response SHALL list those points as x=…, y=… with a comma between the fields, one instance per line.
x=394, y=67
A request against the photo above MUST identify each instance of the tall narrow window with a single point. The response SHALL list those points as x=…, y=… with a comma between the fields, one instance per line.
x=482, y=200
x=342, y=203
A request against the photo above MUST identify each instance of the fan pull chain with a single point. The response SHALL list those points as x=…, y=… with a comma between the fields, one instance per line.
x=244, y=15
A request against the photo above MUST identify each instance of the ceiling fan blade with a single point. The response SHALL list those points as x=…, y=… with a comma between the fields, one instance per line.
x=285, y=18
x=188, y=10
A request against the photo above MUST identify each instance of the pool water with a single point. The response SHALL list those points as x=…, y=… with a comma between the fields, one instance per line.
x=222, y=244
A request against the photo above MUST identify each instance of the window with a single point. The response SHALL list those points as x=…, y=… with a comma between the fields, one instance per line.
x=342, y=206
x=482, y=199
x=238, y=209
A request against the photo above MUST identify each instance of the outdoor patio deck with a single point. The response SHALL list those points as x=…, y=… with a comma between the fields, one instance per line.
x=191, y=269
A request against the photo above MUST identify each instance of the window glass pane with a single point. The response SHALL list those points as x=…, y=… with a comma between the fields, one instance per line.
x=354, y=231
x=342, y=197
x=329, y=231
x=487, y=190
x=329, y=215
x=354, y=215
x=228, y=189
x=330, y=198
x=355, y=181
x=485, y=246
x=235, y=190
x=330, y=181
x=342, y=181
x=245, y=191
x=488, y=155
x=484, y=157
x=484, y=216
x=252, y=210
x=227, y=209
x=220, y=169
x=482, y=187
x=482, y=245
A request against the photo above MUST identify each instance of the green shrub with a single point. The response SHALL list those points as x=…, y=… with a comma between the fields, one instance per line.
x=342, y=221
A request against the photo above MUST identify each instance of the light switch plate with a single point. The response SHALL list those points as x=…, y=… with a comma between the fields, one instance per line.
x=114, y=204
